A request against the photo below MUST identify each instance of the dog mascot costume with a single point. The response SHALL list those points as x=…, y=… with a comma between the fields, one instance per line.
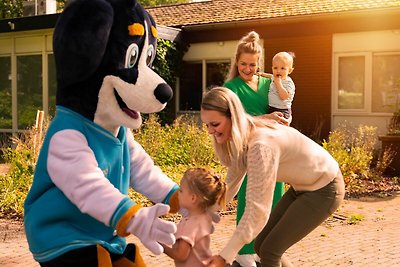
x=78, y=212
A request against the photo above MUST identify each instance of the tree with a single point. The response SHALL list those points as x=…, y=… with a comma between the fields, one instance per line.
x=151, y=3
x=168, y=62
x=10, y=9
x=14, y=8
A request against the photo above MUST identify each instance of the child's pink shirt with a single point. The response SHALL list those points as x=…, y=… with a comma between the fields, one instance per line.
x=195, y=230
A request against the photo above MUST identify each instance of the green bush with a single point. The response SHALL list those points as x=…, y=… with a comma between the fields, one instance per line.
x=15, y=185
x=173, y=147
x=182, y=143
x=354, y=150
x=21, y=157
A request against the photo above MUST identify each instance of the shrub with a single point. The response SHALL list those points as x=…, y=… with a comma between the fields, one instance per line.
x=182, y=143
x=173, y=147
x=21, y=157
x=354, y=150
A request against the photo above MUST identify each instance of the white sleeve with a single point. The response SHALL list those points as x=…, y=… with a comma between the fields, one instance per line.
x=262, y=166
x=146, y=178
x=289, y=85
x=73, y=168
x=234, y=180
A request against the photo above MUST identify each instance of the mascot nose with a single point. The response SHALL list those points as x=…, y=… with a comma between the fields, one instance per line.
x=163, y=92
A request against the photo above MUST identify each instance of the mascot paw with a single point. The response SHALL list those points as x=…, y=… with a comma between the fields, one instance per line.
x=151, y=230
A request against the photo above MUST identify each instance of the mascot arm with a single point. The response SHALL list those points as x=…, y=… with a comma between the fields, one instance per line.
x=148, y=179
x=73, y=168
x=84, y=184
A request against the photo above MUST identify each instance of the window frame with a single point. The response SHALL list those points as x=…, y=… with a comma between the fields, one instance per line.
x=18, y=105
x=11, y=91
x=19, y=44
x=367, y=84
x=387, y=53
x=367, y=110
x=203, y=63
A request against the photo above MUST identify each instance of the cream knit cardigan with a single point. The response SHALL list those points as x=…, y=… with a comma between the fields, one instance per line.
x=280, y=154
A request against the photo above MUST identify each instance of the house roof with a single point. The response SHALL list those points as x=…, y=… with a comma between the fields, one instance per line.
x=228, y=11
x=48, y=21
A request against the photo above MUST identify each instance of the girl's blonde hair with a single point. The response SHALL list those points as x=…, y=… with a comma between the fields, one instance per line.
x=250, y=43
x=226, y=102
x=207, y=185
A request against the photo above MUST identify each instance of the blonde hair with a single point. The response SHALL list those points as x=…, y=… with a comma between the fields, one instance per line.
x=247, y=44
x=287, y=57
x=226, y=102
x=207, y=185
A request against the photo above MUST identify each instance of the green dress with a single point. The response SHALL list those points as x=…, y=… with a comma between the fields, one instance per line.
x=255, y=104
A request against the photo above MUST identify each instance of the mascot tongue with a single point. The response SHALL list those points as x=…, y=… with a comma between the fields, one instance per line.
x=131, y=113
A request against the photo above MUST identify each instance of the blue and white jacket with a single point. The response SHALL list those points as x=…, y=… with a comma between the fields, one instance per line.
x=82, y=167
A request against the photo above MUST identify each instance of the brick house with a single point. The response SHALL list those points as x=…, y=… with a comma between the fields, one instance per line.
x=347, y=53
x=347, y=56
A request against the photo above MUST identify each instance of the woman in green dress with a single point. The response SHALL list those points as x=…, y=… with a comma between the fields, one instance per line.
x=252, y=91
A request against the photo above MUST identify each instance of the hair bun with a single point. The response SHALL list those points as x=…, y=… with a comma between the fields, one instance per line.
x=252, y=37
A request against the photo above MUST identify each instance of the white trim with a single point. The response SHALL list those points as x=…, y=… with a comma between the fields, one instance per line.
x=203, y=77
x=368, y=45
x=203, y=64
x=14, y=92
x=367, y=110
x=177, y=95
x=373, y=41
x=30, y=33
x=6, y=46
x=45, y=78
x=358, y=116
x=214, y=50
x=25, y=43
x=335, y=87
x=210, y=51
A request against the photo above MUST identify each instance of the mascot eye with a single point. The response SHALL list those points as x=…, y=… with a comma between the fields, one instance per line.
x=150, y=55
x=132, y=55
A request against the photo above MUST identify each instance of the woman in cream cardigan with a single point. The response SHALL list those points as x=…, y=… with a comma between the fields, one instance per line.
x=269, y=152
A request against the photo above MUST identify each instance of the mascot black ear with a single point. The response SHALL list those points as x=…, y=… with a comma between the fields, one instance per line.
x=80, y=39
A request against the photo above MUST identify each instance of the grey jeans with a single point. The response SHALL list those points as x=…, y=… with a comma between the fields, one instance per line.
x=294, y=217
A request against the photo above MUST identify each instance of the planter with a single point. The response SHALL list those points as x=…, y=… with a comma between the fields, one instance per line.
x=392, y=142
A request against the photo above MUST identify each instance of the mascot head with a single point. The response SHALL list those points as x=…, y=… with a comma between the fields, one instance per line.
x=104, y=50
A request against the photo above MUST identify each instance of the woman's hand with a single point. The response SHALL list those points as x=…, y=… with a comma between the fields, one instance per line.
x=215, y=261
x=277, y=116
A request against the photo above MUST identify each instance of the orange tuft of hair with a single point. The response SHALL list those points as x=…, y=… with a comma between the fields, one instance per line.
x=136, y=29
x=154, y=31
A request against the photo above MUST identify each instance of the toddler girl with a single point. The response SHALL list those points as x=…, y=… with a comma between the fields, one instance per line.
x=200, y=189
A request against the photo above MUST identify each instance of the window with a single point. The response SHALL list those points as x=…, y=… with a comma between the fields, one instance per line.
x=27, y=80
x=192, y=86
x=216, y=74
x=368, y=83
x=385, y=82
x=5, y=93
x=351, y=82
x=29, y=84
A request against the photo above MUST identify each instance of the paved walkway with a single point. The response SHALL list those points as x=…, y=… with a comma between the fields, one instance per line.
x=364, y=232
